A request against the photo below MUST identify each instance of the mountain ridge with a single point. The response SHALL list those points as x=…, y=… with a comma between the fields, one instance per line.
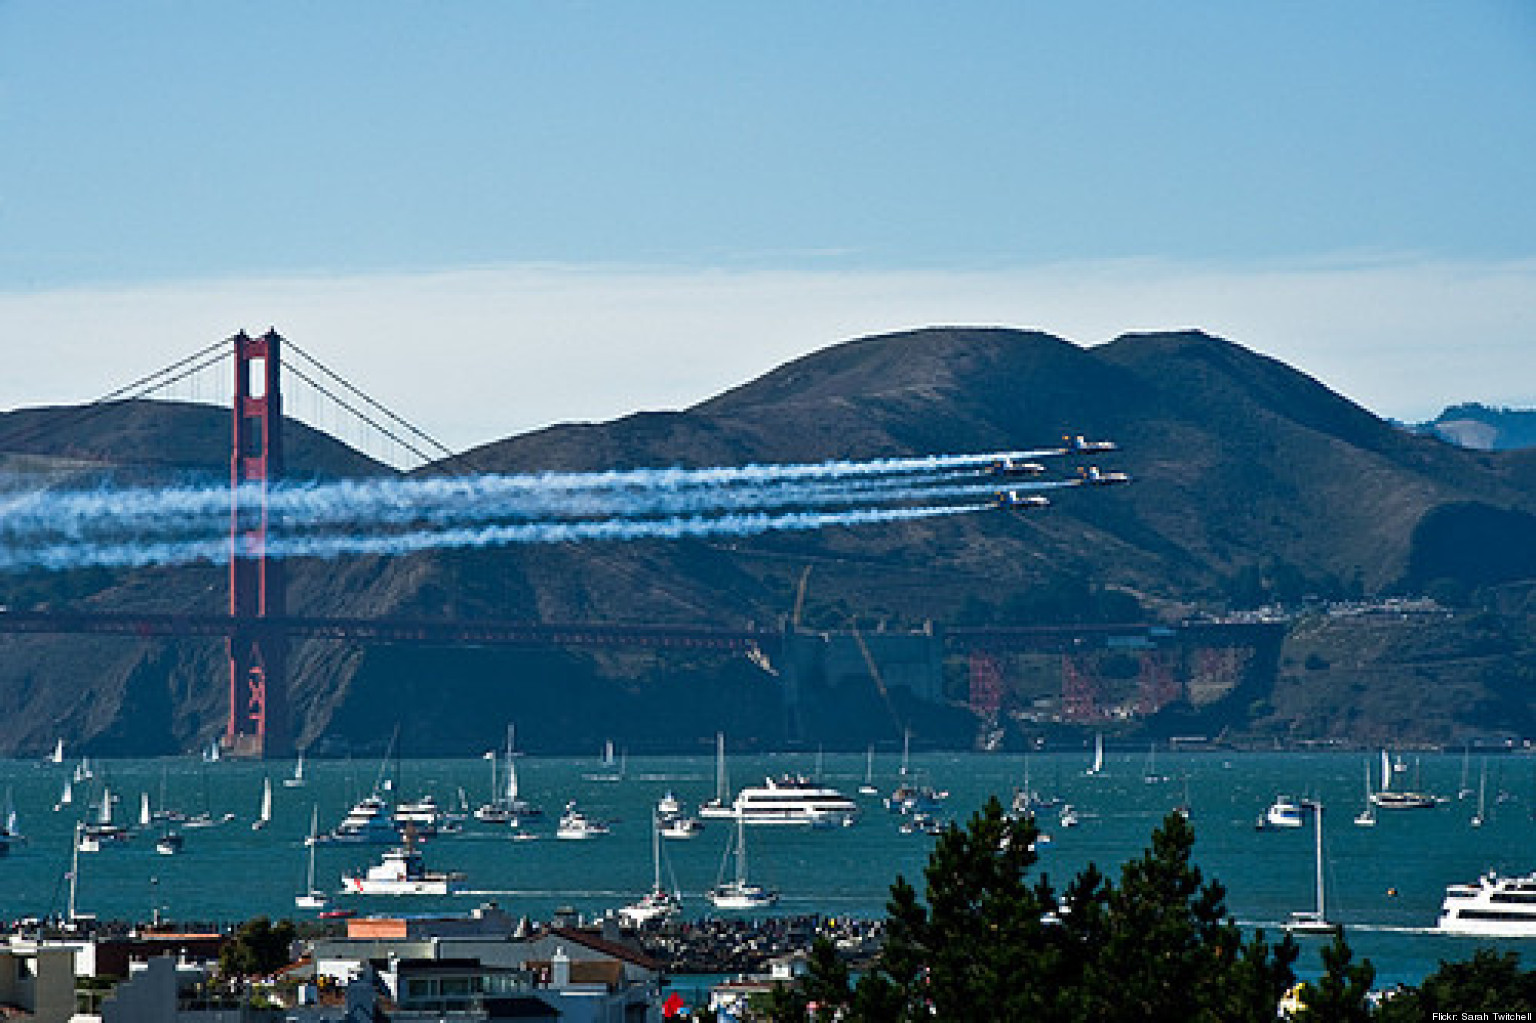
x=1254, y=482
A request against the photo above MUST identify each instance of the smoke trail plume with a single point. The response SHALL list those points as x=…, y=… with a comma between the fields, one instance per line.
x=136, y=526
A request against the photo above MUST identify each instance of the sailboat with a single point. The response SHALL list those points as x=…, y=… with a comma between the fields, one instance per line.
x=1367, y=818
x=658, y=903
x=741, y=893
x=868, y=788
x=297, y=781
x=57, y=756
x=1097, y=767
x=312, y=897
x=506, y=805
x=1386, y=799
x=1482, y=798
x=10, y=828
x=102, y=829
x=1151, y=777
x=619, y=767
x=264, y=817
x=722, y=805
x=1314, y=921
x=913, y=799
x=170, y=841
x=1462, y=791
x=518, y=807
x=67, y=796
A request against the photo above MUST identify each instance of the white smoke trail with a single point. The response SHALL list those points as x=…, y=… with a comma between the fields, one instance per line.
x=445, y=500
x=130, y=527
x=216, y=551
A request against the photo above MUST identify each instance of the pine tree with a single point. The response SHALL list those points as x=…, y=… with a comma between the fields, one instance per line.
x=985, y=944
x=968, y=951
x=1172, y=953
x=1489, y=979
x=1341, y=994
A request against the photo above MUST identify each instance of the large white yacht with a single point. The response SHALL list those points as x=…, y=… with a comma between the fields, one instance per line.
x=369, y=822
x=1494, y=907
x=793, y=799
x=402, y=872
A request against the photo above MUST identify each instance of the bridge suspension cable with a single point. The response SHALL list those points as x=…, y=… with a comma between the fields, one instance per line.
x=143, y=387
x=444, y=453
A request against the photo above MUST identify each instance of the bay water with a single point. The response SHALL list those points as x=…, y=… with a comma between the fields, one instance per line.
x=1383, y=883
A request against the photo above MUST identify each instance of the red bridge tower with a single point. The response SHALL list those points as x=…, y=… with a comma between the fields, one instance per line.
x=258, y=683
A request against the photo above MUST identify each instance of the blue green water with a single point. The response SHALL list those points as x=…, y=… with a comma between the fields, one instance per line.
x=1384, y=883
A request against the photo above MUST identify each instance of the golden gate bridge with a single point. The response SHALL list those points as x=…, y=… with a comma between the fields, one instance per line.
x=258, y=627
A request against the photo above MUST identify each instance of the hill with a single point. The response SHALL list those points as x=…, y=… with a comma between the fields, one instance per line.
x=1255, y=484
x=1477, y=426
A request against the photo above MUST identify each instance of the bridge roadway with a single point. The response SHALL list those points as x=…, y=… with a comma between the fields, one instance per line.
x=438, y=632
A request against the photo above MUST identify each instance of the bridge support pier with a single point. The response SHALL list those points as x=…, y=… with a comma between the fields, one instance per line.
x=258, y=681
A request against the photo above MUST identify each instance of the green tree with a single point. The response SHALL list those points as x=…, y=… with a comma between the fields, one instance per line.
x=259, y=947
x=986, y=944
x=1172, y=953
x=1341, y=994
x=1489, y=980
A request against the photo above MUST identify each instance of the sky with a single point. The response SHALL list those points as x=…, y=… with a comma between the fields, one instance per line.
x=495, y=216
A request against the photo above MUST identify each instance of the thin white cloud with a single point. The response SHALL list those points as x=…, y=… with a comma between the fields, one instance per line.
x=478, y=354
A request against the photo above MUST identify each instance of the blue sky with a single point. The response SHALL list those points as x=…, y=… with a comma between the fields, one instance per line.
x=614, y=206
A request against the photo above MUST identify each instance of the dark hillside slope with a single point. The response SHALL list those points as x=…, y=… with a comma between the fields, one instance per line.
x=1252, y=461
x=1253, y=481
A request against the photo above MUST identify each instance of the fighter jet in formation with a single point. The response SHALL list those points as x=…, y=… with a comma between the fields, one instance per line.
x=1076, y=445
x=1021, y=501
x=1093, y=476
x=1009, y=467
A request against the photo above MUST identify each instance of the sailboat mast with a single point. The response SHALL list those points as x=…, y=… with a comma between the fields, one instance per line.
x=74, y=872
x=1320, y=914
x=741, y=851
x=314, y=839
x=722, y=784
x=655, y=851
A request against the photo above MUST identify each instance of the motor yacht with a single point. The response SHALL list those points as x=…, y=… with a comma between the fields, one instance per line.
x=369, y=822
x=425, y=816
x=1493, y=907
x=1284, y=812
x=577, y=826
x=793, y=799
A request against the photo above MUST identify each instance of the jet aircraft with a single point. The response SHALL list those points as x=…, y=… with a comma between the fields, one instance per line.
x=1076, y=445
x=1023, y=502
x=1094, y=476
x=1014, y=467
